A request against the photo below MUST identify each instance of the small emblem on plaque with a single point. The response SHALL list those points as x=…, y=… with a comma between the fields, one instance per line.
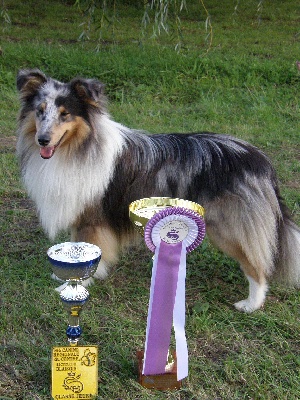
x=72, y=382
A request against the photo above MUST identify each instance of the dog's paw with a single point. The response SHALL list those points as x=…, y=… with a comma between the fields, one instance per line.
x=102, y=271
x=247, y=306
x=87, y=282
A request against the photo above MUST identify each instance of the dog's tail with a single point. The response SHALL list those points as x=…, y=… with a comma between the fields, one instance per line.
x=288, y=260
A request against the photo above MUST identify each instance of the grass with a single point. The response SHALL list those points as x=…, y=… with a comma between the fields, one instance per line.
x=245, y=84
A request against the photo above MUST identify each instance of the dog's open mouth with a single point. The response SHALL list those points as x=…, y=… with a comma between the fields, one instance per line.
x=48, y=151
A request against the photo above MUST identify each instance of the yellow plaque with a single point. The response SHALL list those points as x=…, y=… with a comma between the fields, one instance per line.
x=74, y=372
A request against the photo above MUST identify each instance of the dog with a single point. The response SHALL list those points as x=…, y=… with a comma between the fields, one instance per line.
x=82, y=170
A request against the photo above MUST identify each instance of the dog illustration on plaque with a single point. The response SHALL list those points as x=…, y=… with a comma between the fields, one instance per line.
x=73, y=383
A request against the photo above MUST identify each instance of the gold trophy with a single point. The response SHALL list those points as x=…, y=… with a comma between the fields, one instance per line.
x=74, y=367
x=140, y=211
x=171, y=228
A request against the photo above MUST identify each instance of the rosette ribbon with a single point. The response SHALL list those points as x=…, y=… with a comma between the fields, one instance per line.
x=170, y=234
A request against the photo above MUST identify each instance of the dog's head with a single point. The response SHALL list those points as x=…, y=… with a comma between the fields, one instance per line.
x=58, y=113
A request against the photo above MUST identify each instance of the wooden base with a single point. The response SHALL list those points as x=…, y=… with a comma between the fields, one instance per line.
x=165, y=381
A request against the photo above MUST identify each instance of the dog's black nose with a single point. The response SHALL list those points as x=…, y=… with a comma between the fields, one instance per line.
x=43, y=141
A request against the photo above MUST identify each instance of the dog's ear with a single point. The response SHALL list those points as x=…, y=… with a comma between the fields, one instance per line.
x=29, y=81
x=89, y=90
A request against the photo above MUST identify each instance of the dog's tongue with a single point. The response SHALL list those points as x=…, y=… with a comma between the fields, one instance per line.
x=47, y=152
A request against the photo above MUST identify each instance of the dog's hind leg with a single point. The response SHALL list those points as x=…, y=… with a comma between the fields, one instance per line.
x=256, y=277
x=247, y=233
x=257, y=282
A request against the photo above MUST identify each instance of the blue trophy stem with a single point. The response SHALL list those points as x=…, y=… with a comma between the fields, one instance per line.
x=74, y=296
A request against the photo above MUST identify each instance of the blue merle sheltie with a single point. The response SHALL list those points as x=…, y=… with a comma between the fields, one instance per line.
x=83, y=170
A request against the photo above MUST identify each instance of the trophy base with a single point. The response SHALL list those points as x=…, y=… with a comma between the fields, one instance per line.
x=74, y=372
x=166, y=381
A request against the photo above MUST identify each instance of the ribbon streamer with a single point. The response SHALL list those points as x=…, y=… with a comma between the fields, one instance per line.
x=171, y=233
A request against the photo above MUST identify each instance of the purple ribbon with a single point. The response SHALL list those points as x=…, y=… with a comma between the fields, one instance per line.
x=171, y=233
x=162, y=305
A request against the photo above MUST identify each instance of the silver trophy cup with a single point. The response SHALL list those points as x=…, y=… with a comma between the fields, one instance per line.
x=74, y=262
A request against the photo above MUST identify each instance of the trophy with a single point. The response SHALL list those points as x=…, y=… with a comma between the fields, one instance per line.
x=171, y=229
x=74, y=367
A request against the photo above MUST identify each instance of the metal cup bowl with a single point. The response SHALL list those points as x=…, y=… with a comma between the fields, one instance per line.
x=140, y=211
x=74, y=260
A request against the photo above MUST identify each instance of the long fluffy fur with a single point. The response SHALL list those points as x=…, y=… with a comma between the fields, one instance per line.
x=97, y=167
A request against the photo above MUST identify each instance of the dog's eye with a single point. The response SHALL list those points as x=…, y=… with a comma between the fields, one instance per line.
x=64, y=114
x=39, y=112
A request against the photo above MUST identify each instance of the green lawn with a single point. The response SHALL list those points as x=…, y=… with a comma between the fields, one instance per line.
x=241, y=80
